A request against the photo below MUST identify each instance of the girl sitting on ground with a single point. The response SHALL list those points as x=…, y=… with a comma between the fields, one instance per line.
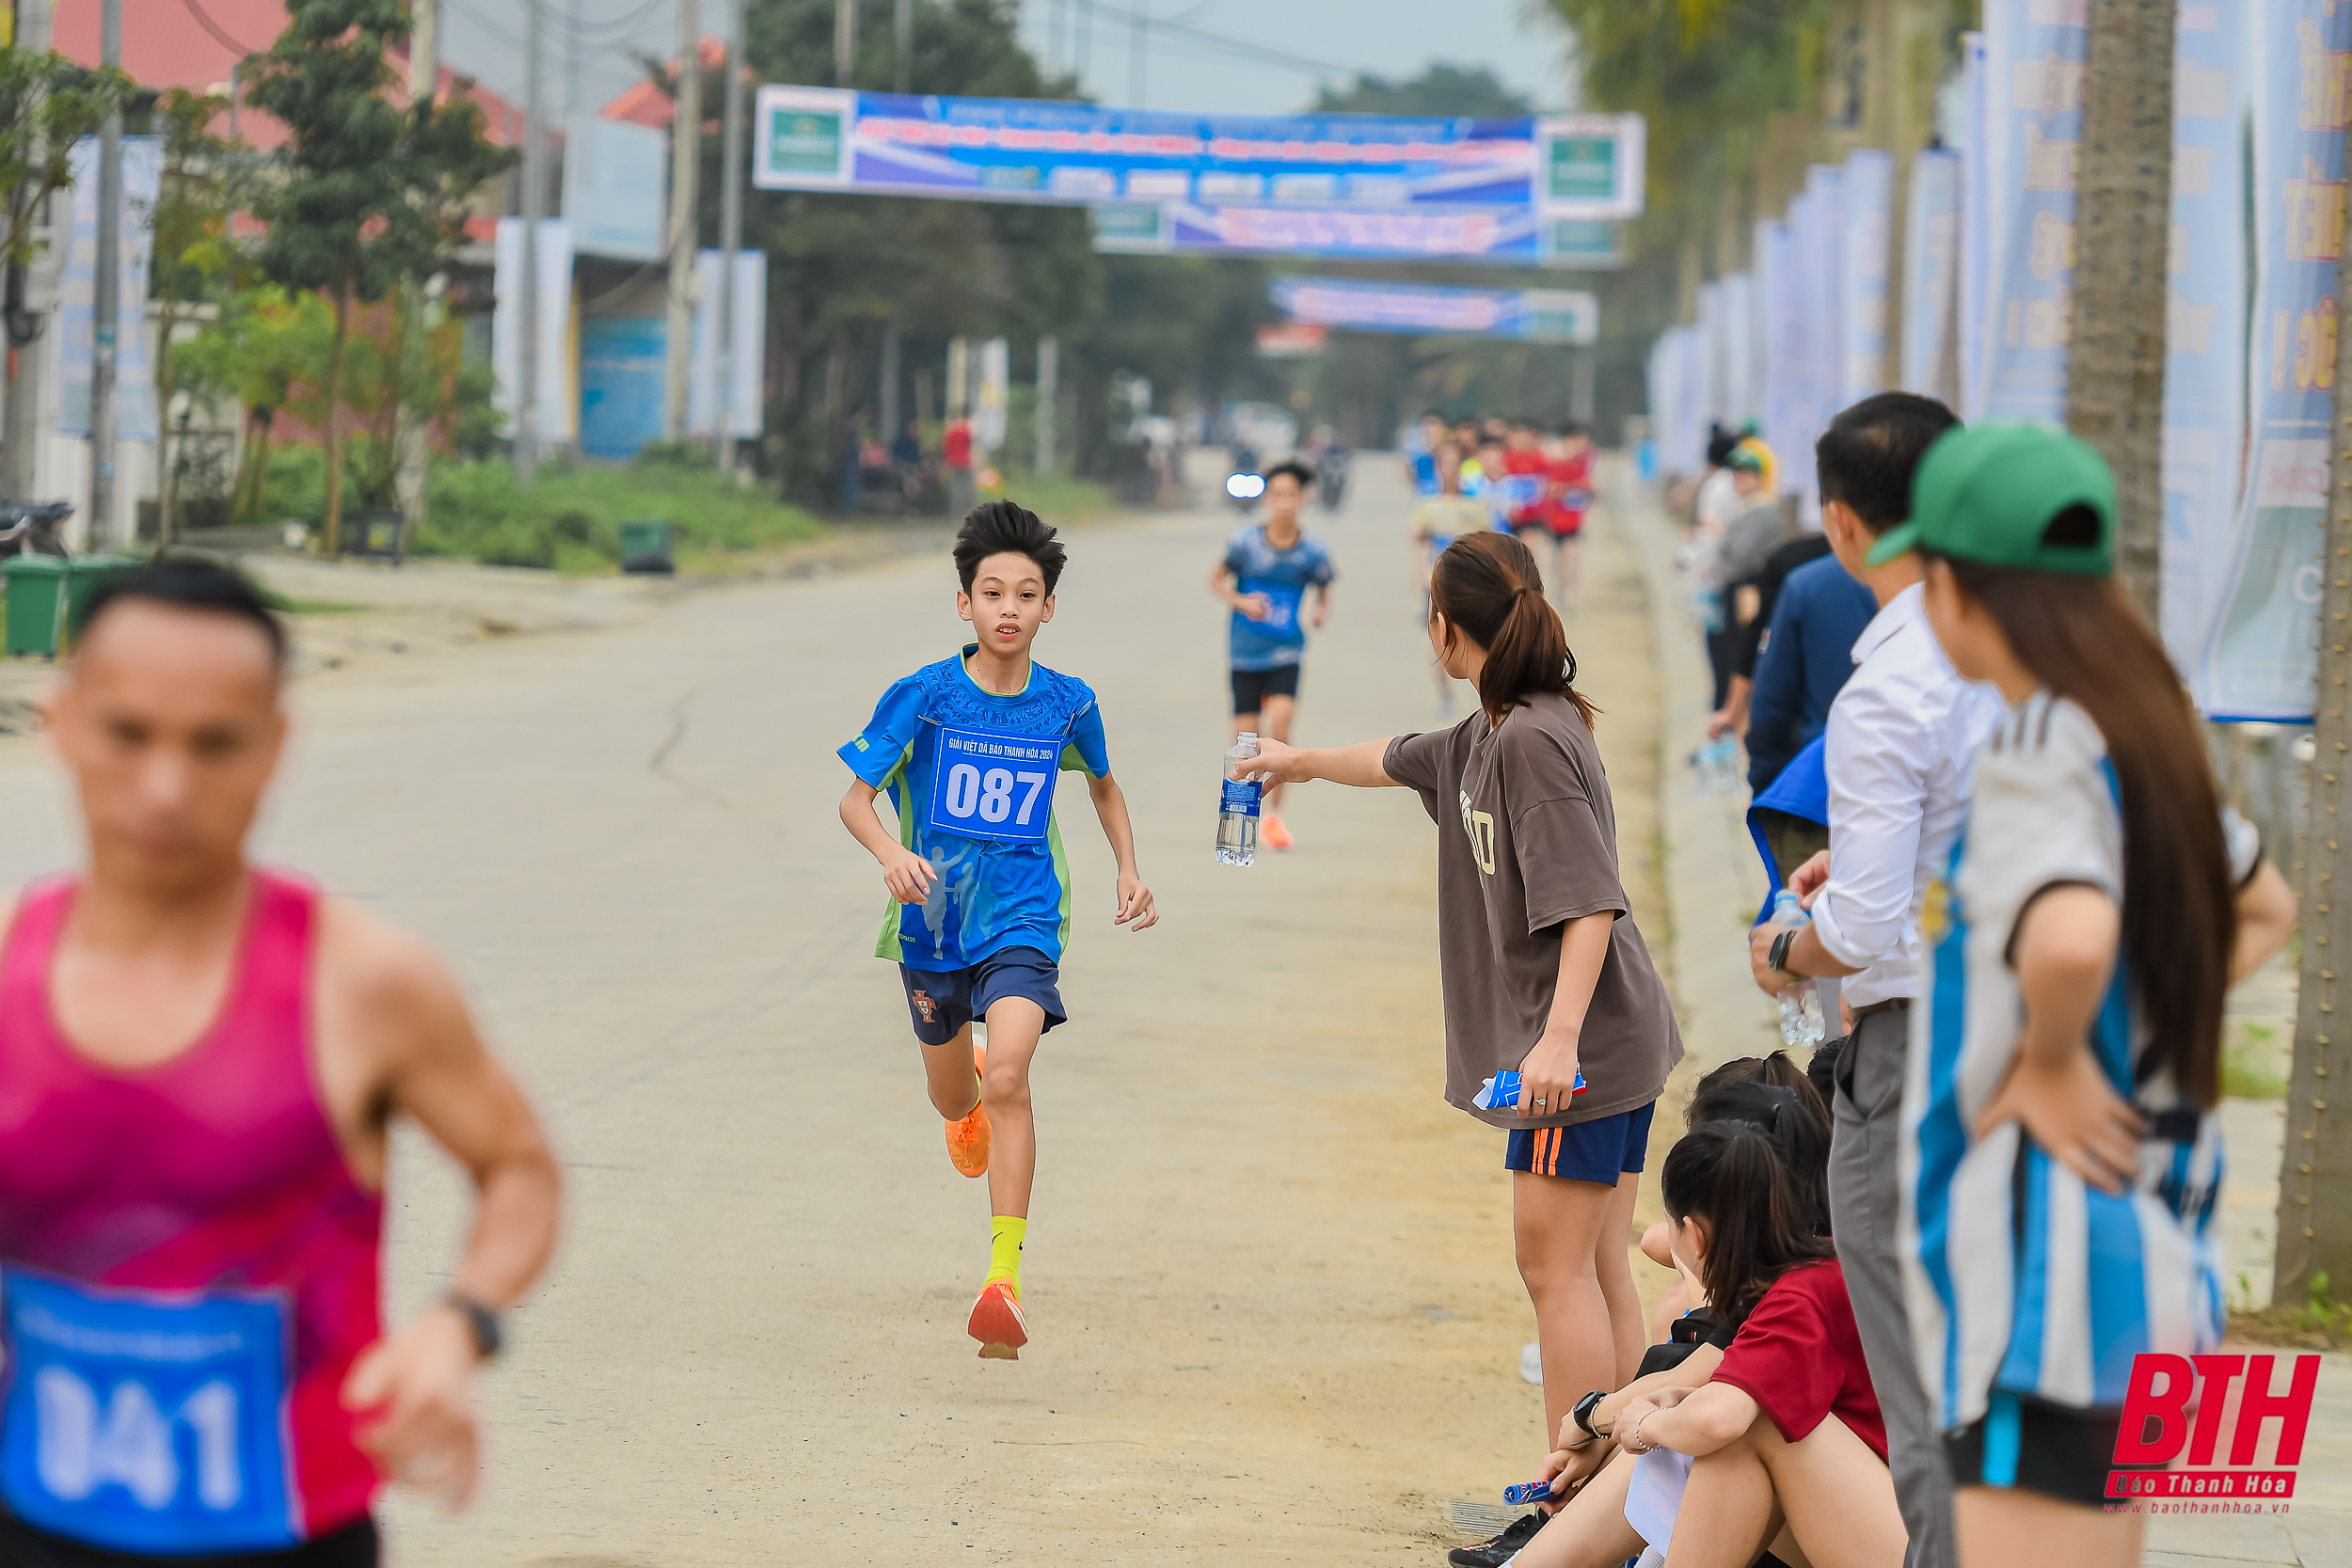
x=1781, y=1446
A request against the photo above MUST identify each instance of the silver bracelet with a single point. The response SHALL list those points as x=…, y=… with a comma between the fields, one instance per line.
x=1634, y=1443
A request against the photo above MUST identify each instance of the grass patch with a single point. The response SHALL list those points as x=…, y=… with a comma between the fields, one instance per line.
x=1057, y=499
x=2249, y=1066
x=570, y=520
x=2321, y=1323
x=285, y=606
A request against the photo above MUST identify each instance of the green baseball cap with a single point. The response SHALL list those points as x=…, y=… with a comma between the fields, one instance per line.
x=1989, y=494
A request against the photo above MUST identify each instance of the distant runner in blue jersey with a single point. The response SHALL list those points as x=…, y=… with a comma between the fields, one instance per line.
x=1266, y=575
x=2061, y=1154
x=970, y=749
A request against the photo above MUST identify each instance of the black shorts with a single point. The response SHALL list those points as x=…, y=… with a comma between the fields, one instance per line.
x=2021, y=1442
x=941, y=1003
x=1252, y=687
x=352, y=1547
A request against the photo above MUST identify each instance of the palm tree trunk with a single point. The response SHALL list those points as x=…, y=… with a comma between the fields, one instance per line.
x=331, y=525
x=2123, y=228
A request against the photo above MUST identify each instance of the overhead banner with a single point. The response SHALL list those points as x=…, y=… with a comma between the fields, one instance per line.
x=2205, y=374
x=2033, y=89
x=1365, y=185
x=1534, y=315
x=77, y=294
x=1931, y=277
x=2261, y=657
x=1865, y=262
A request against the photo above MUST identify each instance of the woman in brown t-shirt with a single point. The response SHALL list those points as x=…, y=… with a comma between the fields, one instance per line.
x=1545, y=972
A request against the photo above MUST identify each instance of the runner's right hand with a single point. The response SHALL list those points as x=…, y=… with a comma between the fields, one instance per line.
x=1256, y=606
x=909, y=876
x=1810, y=878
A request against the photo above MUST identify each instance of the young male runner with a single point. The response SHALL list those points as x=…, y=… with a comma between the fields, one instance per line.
x=199, y=1060
x=969, y=748
x=1438, y=521
x=1569, y=495
x=1270, y=567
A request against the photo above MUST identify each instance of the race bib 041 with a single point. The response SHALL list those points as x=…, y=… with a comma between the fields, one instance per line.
x=146, y=1423
x=998, y=786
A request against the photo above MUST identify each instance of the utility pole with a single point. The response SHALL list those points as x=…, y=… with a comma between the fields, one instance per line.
x=410, y=426
x=2122, y=231
x=1048, y=387
x=903, y=44
x=109, y=307
x=28, y=354
x=844, y=42
x=685, y=163
x=2315, y=1238
x=1138, y=31
x=730, y=242
x=535, y=212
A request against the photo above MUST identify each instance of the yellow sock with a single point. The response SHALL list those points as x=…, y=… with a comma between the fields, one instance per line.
x=1006, y=1233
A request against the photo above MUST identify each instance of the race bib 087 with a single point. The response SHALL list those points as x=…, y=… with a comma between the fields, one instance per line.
x=146, y=1423
x=998, y=786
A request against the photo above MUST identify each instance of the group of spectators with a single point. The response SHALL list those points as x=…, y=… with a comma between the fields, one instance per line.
x=1900, y=1332
x=905, y=475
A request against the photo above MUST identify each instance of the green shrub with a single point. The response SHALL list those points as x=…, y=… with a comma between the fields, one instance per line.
x=296, y=485
x=570, y=520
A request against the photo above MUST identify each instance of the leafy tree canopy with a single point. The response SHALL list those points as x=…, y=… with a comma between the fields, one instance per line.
x=1441, y=89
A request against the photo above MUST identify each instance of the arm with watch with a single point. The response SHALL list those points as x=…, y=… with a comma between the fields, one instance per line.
x=1590, y=1434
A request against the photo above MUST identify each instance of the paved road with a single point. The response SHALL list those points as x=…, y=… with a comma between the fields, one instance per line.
x=1270, y=1275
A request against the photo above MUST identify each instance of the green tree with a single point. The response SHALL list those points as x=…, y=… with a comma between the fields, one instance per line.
x=47, y=104
x=203, y=180
x=1441, y=89
x=266, y=342
x=366, y=192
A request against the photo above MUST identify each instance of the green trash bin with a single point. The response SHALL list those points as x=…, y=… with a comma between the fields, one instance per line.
x=645, y=545
x=83, y=572
x=49, y=594
x=36, y=589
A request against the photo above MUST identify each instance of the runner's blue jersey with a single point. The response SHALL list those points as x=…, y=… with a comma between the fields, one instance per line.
x=1283, y=577
x=971, y=775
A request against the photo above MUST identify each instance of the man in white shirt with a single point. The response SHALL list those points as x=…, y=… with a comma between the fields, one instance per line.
x=1901, y=744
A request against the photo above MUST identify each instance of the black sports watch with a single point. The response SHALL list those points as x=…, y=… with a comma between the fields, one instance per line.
x=1778, y=957
x=1583, y=1411
x=487, y=1335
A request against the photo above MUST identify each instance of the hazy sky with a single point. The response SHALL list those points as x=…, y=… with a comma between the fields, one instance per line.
x=1309, y=41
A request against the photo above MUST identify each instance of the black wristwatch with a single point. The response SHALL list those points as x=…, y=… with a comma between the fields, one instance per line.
x=1778, y=958
x=1583, y=1411
x=487, y=1335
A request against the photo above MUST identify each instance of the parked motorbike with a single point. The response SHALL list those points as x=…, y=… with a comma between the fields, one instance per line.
x=33, y=528
x=1244, y=484
x=1331, y=478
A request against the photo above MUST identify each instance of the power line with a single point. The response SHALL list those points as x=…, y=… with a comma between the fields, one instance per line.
x=1249, y=48
x=219, y=36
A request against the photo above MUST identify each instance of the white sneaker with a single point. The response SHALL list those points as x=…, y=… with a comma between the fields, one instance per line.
x=1532, y=1362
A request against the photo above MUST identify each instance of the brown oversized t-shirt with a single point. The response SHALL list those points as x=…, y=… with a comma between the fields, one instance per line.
x=1527, y=841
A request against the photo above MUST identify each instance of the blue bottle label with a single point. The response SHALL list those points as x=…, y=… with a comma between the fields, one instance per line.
x=1240, y=798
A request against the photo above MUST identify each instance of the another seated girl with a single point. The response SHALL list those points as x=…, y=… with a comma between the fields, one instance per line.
x=1781, y=1446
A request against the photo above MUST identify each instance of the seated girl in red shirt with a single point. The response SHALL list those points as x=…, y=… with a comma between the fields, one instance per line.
x=1782, y=1446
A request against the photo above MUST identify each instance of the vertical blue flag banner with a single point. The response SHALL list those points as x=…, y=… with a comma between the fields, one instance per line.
x=2034, y=54
x=1368, y=185
x=2261, y=656
x=1865, y=262
x=77, y=294
x=1930, y=275
x=1976, y=246
x=2204, y=377
x=1784, y=404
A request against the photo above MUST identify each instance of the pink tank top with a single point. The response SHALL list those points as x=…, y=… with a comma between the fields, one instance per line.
x=187, y=1267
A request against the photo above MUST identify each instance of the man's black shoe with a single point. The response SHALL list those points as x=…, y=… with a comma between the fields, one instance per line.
x=1503, y=1549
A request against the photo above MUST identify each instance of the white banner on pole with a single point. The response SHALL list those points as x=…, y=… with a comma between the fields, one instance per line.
x=1976, y=220
x=1785, y=398
x=1867, y=186
x=558, y=400
x=747, y=319
x=77, y=293
x=2034, y=54
x=1931, y=271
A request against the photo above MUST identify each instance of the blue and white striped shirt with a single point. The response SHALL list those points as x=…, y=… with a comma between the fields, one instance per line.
x=2021, y=1279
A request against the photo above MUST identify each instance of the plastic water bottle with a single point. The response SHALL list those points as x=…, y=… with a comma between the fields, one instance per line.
x=1801, y=1004
x=1237, y=810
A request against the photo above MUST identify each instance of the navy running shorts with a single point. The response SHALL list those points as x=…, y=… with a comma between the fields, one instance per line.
x=1600, y=1151
x=941, y=1003
x=1252, y=687
x=2034, y=1447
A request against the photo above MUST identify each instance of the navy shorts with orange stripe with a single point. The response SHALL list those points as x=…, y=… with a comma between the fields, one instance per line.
x=1600, y=1151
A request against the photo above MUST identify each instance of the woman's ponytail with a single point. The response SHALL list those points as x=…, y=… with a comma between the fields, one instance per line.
x=1729, y=1174
x=1487, y=585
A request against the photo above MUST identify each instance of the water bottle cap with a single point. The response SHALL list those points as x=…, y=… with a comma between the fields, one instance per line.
x=1247, y=735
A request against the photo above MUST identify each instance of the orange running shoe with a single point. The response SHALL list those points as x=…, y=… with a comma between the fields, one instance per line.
x=1273, y=835
x=967, y=1140
x=997, y=1323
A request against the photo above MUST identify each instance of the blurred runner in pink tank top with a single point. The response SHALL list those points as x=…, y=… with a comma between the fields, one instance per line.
x=198, y=1063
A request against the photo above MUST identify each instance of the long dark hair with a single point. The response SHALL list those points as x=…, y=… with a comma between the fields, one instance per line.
x=2082, y=640
x=1727, y=1174
x=1487, y=586
x=1773, y=1095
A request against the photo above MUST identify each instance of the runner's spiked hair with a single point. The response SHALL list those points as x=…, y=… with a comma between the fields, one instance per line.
x=1487, y=586
x=191, y=582
x=1004, y=528
x=1294, y=467
x=1729, y=1174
